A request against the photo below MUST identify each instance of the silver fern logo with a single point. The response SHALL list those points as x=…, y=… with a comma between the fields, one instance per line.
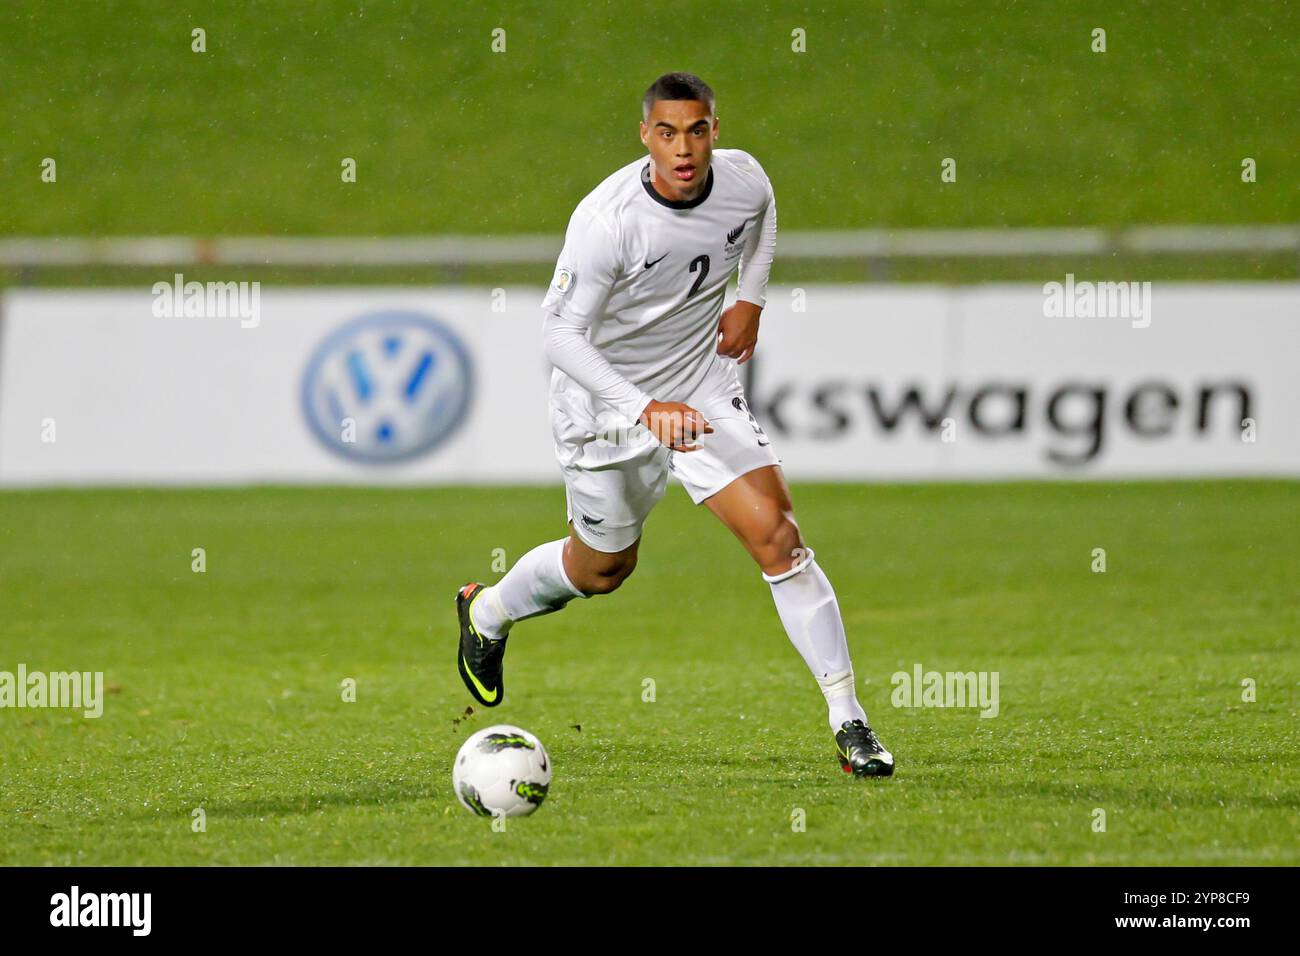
x=732, y=246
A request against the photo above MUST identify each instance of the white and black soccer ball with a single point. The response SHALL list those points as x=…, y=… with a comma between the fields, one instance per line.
x=501, y=770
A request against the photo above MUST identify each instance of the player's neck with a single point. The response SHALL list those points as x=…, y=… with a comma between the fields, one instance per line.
x=663, y=193
x=675, y=194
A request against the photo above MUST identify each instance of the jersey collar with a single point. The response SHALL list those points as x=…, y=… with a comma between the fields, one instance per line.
x=676, y=203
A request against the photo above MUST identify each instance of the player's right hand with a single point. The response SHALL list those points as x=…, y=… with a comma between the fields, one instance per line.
x=675, y=424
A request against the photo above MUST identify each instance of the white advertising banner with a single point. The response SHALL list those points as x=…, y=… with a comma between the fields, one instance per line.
x=374, y=385
x=450, y=385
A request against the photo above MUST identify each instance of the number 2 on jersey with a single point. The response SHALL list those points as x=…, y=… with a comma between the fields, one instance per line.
x=701, y=263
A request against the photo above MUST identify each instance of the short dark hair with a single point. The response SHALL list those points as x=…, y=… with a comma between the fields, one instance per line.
x=676, y=86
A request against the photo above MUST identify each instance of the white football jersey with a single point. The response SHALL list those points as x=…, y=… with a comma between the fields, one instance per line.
x=643, y=278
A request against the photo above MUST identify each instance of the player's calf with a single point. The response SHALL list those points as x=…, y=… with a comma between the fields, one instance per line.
x=537, y=584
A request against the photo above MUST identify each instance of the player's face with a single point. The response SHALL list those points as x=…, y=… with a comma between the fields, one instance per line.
x=680, y=135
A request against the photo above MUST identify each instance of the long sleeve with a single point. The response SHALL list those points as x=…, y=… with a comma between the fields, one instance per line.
x=584, y=276
x=568, y=349
x=759, y=251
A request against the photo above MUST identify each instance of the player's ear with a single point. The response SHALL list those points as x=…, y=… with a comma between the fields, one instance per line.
x=644, y=129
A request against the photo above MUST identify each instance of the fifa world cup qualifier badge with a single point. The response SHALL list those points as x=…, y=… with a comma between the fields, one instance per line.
x=565, y=278
x=561, y=288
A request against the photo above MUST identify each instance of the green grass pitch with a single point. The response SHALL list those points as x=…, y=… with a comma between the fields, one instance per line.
x=1119, y=690
x=449, y=137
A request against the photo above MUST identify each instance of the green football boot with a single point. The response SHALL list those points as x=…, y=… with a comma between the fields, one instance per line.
x=478, y=659
x=860, y=752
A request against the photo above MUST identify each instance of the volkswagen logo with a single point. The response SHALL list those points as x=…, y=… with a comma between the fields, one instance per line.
x=387, y=387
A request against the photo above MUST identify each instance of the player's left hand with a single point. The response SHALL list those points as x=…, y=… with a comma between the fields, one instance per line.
x=738, y=331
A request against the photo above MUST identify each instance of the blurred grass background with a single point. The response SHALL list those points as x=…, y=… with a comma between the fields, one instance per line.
x=151, y=138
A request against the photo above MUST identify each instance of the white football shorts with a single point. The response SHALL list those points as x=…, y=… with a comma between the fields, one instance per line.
x=613, y=480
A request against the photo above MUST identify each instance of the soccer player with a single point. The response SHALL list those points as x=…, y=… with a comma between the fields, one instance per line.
x=645, y=383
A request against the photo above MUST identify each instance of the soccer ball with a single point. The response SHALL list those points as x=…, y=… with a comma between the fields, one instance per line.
x=501, y=770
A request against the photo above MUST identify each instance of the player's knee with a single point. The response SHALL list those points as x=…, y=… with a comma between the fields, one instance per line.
x=778, y=547
x=609, y=574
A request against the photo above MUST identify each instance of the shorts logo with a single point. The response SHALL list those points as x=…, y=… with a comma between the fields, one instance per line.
x=590, y=525
x=591, y=521
x=739, y=404
x=387, y=387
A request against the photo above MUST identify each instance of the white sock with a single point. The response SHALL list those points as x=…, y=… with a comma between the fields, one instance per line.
x=806, y=603
x=536, y=585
